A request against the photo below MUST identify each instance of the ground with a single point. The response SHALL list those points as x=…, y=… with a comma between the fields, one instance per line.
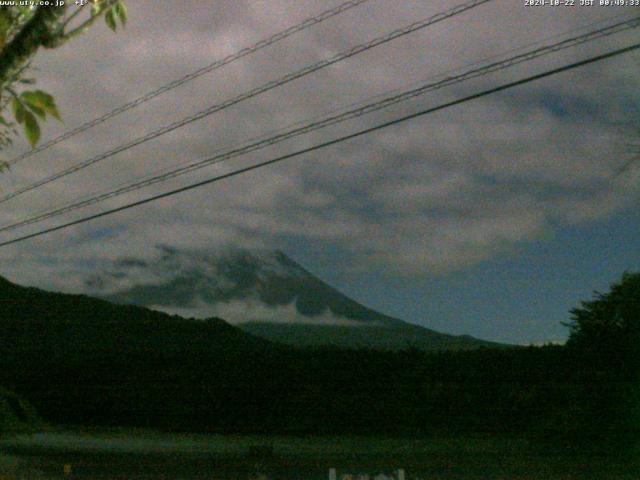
x=145, y=455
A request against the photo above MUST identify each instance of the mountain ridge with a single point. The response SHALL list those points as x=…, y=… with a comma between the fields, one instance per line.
x=264, y=293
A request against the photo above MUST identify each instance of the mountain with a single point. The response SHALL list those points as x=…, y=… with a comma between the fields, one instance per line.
x=264, y=293
x=58, y=327
x=83, y=360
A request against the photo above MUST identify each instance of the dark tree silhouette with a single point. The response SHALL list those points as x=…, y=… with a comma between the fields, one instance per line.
x=609, y=325
x=605, y=341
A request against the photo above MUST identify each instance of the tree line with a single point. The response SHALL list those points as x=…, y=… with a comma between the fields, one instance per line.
x=85, y=361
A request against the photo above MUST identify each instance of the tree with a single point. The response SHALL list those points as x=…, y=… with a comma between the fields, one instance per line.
x=605, y=341
x=609, y=325
x=23, y=31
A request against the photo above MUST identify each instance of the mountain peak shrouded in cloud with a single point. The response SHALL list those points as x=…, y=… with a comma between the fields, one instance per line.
x=226, y=280
x=262, y=291
x=443, y=215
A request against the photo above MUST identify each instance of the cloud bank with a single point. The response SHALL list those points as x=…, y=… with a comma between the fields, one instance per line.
x=438, y=194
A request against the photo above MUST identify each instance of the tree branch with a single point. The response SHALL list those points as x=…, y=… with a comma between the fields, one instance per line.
x=87, y=23
x=41, y=31
x=73, y=15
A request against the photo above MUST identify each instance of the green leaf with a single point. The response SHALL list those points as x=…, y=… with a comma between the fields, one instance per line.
x=110, y=18
x=37, y=98
x=31, y=128
x=35, y=102
x=18, y=110
x=52, y=110
x=40, y=101
x=25, y=10
x=38, y=111
x=121, y=11
x=5, y=25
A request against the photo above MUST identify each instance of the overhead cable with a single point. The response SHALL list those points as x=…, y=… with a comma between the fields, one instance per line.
x=250, y=94
x=309, y=22
x=335, y=119
x=328, y=143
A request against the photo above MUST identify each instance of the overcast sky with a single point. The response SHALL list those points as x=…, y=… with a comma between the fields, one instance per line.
x=491, y=218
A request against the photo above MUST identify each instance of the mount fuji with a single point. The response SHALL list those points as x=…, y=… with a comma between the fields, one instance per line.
x=264, y=293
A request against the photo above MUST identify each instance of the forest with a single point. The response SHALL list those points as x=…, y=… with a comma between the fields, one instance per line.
x=82, y=361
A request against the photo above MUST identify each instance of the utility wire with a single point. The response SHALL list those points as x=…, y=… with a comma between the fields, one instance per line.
x=309, y=22
x=363, y=101
x=332, y=120
x=252, y=93
x=330, y=142
x=353, y=105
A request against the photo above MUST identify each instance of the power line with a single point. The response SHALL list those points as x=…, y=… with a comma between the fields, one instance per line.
x=368, y=99
x=309, y=22
x=330, y=142
x=353, y=105
x=252, y=93
x=334, y=119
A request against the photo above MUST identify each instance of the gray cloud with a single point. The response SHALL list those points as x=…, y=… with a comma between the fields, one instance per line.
x=438, y=194
x=252, y=309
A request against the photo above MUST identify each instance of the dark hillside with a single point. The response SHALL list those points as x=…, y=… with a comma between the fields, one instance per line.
x=79, y=360
x=259, y=282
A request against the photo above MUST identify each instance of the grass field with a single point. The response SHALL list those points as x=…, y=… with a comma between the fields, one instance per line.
x=143, y=454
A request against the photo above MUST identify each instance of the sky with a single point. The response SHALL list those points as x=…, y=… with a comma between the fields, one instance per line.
x=492, y=218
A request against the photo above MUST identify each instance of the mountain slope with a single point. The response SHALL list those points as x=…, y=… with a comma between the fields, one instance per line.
x=376, y=337
x=68, y=331
x=83, y=360
x=264, y=293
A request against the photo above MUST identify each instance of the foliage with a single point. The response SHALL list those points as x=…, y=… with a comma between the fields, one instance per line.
x=608, y=327
x=85, y=361
x=27, y=106
x=23, y=31
x=605, y=340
